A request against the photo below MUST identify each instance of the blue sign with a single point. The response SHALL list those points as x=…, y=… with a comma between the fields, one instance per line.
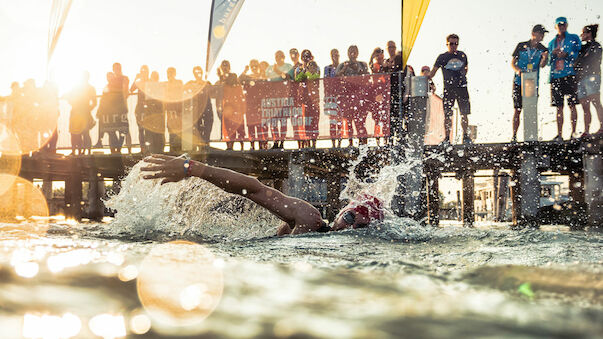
x=223, y=15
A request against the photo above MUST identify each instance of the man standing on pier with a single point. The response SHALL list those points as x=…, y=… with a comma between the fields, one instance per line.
x=564, y=49
x=528, y=56
x=454, y=69
x=298, y=216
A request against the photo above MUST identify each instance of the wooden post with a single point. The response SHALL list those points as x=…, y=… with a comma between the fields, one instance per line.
x=468, y=206
x=73, y=192
x=296, y=177
x=47, y=192
x=576, y=186
x=593, y=187
x=529, y=181
x=515, y=197
x=433, y=197
x=95, y=204
x=501, y=198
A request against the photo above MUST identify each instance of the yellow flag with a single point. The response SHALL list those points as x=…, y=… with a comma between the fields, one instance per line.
x=413, y=12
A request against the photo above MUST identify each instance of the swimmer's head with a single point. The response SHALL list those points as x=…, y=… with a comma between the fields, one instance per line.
x=359, y=213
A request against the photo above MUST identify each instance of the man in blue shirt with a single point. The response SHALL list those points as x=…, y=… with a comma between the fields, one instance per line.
x=564, y=49
x=528, y=56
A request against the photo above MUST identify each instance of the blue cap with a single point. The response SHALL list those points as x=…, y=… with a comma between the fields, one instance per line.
x=561, y=20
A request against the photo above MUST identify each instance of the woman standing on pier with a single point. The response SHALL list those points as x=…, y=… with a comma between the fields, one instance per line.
x=588, y=74
x=112, y=112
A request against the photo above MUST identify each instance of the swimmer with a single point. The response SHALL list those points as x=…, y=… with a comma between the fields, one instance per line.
x=298, y=216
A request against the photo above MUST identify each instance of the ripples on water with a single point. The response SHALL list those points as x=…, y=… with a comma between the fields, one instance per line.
x=188, y=259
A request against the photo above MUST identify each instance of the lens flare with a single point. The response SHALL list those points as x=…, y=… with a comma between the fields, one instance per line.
x=178, y=283
x=22, y=200
x=34, y=119
x=9, y=168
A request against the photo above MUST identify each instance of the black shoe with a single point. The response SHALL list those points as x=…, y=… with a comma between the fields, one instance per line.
x=444, y=144
x=514, y=140
x=467, y=140
x=558, y=139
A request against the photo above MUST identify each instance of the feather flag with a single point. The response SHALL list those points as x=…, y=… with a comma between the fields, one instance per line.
x=58, y=15
x=413, y=12
x=223, y=15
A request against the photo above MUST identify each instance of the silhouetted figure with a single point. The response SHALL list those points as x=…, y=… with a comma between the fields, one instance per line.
x=335, y=123
x=173, y=94
x=353, y=67
x=112, y=112
x=588, y=74
x=279, y=72
x=141, y=105
x=233, y=105
x=203, y=113
x=82, y=99
x=49, y=110
x=307, y=76
x=154, y=119
x=253, y=115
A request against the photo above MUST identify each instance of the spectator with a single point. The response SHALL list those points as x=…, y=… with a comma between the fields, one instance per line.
x=390, y=63
x=154, y=120
x=174, y=91
x=294, y=55
x=393, y=66
x=263, y=68
x=528, y=56
x=278, y=72
x=203, y=114
x=588, y=74
x=254, y=66
x=138, y=85
x=233, y=105
x=425, y=70
x=353, y=67
x=253, y=116
x=112, y=110
x=82, y=100
x=331, y=106
x=564, y=49
x=454, y=68
x=308, y=93
x=376, y=61
x=332, y=68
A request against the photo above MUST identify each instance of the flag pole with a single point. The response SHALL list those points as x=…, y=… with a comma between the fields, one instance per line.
x=211, y=19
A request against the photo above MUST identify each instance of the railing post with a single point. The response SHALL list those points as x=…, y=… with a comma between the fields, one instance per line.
x=593, y=185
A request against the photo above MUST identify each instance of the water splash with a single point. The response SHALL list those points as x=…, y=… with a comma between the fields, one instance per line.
x=191, y=207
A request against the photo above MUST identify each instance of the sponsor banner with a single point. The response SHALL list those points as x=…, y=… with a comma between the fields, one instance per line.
x=345, y=107
x=223, y=15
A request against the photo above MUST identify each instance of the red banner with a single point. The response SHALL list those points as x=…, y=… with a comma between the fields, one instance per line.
x=329, y=108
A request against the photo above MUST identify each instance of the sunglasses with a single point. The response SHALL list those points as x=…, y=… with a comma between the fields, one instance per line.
x=349, y=218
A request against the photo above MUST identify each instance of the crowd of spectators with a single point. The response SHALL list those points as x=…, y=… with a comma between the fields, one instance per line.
x=159, y=106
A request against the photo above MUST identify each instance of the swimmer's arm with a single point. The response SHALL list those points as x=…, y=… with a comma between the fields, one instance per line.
x=171, y=169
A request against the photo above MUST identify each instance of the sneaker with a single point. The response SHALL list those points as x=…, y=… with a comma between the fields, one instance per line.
x=467, y=140
x=558, y=139
x=584, y=135
x=445, y=143
x=514, y=140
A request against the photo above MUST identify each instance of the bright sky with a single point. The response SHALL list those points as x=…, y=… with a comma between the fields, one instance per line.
x=174, y=33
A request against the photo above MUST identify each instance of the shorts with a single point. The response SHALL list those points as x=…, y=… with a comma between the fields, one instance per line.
x=589, y=86
x=561, y=87
x=461, y=96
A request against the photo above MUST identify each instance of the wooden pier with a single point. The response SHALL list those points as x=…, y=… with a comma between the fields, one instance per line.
x=581, y=161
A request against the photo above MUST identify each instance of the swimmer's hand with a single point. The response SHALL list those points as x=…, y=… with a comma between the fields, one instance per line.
x=168, y=168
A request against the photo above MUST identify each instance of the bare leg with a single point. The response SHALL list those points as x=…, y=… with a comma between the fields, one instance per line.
x=516, y=122
x=587, y=116
x=596, y=100
x=559, y=121
x=573, y=117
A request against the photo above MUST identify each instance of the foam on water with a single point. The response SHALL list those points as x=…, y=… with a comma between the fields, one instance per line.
x=191, y=206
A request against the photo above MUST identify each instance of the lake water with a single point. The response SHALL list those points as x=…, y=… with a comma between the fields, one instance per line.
x=188, y=260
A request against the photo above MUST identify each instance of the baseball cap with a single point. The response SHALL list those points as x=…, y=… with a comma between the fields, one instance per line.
x=539, y=29
x=561, y=20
